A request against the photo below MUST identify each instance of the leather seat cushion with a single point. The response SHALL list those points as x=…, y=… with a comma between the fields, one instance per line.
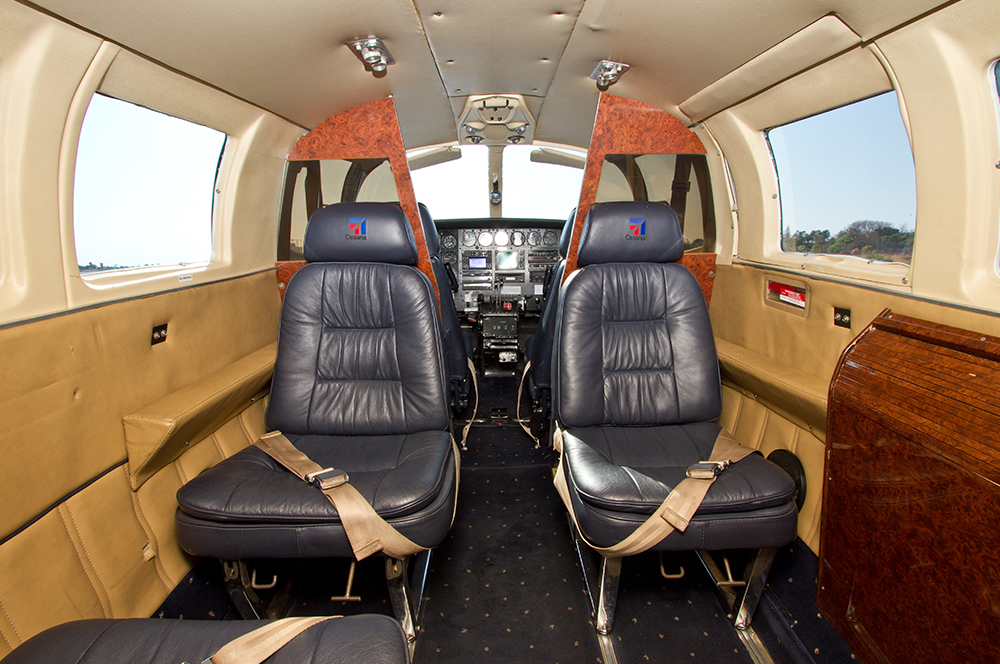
x=373, y=639
x=633, y=469
x=398, y=475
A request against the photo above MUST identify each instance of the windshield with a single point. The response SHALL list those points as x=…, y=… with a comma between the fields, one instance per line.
x=460, y=189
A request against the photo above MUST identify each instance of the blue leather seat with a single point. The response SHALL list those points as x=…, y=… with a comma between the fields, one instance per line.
x=456, y=343
x=359, y=385
x=538, y=347
x=369, y=639
x=637, y=393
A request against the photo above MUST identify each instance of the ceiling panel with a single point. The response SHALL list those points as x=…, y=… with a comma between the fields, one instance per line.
x=287, y=57
x=678, y=47
x=498, y=47
x=290, y=58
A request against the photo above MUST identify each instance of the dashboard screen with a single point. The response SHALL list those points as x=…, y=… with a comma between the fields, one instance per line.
x=478, y=263
x=506, y=260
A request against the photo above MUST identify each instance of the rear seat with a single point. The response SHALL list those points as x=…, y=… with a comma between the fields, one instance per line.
x=368, y=639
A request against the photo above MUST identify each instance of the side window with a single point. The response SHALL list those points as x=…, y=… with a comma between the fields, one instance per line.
x=144, y=188
x=846, y=182
x=311, y=184
x=680, y=180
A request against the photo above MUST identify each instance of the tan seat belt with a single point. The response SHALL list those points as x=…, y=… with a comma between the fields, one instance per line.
x=256, y=646
x=367, y=531
x=675, y=512
x=475, y=387
x=520, y=387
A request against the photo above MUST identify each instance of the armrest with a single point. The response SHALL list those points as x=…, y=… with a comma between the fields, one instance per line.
x=161, y=432
x=789, y=390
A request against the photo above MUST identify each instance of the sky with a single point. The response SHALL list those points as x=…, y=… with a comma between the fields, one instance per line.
x=846, y=165
x=143, y=188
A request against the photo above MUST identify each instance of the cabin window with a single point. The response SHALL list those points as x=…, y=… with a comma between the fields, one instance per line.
x=536, y=190
x=311, y=184
x=144, y=188
x=846, y=182
x=531, y=188
x=456, y=189
x=656, y=177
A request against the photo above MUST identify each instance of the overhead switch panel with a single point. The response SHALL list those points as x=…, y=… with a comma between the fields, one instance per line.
x=495, y=120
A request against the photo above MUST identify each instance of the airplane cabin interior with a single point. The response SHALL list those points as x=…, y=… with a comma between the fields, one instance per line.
x=434, y=331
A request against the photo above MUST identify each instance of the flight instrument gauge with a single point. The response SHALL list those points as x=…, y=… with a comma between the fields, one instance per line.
x=501, y=238
x=469, y=238
x=517, y=238
x=551, y=238
x=485, y=239
x=449, y=256
x=534, y=238
x=448, y=241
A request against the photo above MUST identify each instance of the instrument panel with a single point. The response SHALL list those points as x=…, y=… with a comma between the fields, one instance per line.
x=500, y=260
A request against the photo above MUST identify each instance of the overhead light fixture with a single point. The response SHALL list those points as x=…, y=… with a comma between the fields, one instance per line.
x=607, y=73
x=495, y=120
x=373, y=53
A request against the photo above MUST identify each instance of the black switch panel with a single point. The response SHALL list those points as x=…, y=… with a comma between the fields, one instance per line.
x=159, y=334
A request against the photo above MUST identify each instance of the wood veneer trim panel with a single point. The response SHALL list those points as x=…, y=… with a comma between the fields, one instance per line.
x=626, y=126
x=910, y=494
x=702, y=266
x=370, y=131
x=285, y=270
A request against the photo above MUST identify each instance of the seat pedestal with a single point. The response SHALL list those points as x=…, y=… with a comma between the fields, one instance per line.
x=602, y=574
x=405, y=591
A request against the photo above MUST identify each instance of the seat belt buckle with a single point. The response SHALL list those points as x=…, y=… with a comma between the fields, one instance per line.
x=706, y=470
x=328, y=478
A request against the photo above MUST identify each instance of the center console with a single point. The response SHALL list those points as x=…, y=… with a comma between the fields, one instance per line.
x=502, y=267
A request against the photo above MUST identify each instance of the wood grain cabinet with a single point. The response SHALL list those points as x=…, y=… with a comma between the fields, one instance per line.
x=910, y=554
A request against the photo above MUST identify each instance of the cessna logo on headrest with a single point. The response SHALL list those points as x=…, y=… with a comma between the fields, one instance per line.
x=636, y=229
x=359, y=228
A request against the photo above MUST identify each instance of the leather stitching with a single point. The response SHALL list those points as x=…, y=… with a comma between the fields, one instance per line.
x=11, y=623
x=101, y=599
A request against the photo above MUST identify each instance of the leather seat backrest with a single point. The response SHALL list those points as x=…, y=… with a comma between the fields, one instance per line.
x=359, y=346
x=634, y=340
x=541, y=348
x=451, y=329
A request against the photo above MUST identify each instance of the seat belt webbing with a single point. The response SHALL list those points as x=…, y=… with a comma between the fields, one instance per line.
x=520, y=387
x=674, y=513
x=475, y=388
x=256, y=646
x=680, y=187
x=367, y=531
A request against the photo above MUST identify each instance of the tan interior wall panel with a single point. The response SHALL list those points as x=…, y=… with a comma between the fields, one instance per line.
x=755, y=426
x=813, y=344
x=106, y=551
x=73, y=377
x=810, y=344
x=42, y=581
x=155, y=499
x=102, y=517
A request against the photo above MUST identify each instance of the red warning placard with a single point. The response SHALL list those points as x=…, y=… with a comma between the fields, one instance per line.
x=789, y=294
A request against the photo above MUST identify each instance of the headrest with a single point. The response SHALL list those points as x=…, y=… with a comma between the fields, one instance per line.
x=360, y=233
x=430, y=231
x=630, y=232
x=567, y=234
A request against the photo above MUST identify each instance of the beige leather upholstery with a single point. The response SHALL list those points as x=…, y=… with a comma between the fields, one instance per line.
x=162, y=431
x=75, y=540
x=756, y=426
